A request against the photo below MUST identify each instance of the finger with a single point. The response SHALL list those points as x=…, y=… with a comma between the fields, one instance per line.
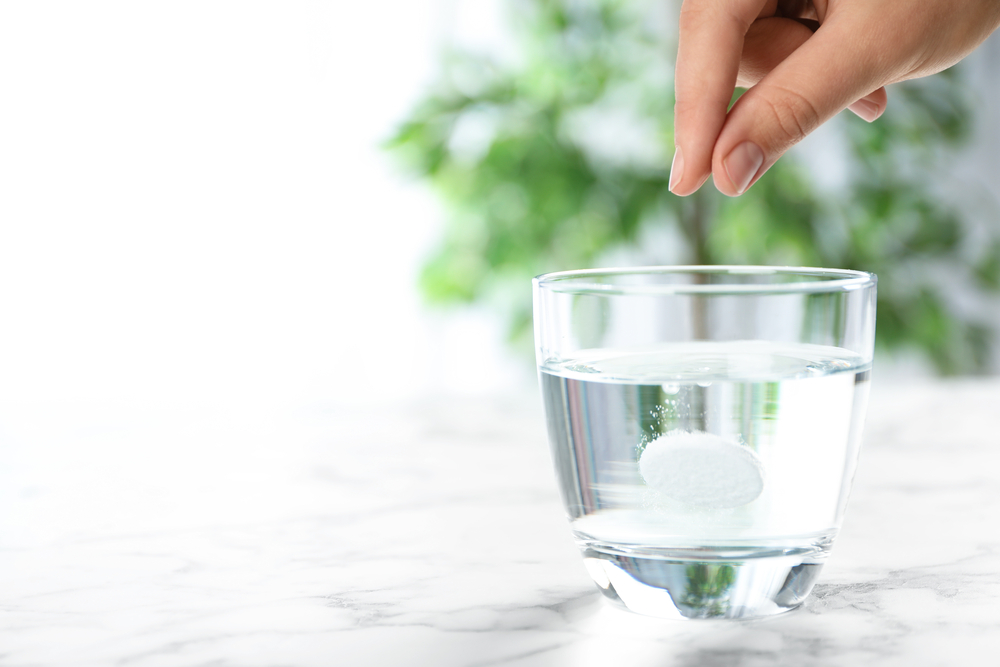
x=829, y=71
x=710, y=43
x=768, y=42
x=870, y=107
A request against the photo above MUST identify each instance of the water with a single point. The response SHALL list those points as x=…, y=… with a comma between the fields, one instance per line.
x=706, y=479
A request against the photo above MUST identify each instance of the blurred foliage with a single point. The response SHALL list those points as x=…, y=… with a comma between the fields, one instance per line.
x=707, y=590
x=558, y=158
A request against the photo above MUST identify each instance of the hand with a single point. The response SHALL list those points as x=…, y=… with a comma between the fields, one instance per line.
x=806, y=61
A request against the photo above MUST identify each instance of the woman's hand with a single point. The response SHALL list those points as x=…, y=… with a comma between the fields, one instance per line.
x=804, y=61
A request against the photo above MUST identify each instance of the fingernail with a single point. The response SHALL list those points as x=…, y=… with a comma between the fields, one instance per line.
x=865, y=109
x=742, y=164
x=676, y=169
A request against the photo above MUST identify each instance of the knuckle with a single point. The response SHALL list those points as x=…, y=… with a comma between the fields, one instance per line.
x=793, y=113
x=697, y=17
x=687, y=103
x=692, y=17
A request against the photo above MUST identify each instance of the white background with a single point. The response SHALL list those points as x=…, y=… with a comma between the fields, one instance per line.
x=194, y=205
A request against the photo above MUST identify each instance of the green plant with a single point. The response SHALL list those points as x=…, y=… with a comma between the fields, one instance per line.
x=560, y=159
x=707, y=590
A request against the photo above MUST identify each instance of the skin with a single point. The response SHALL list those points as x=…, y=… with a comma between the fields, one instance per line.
x=803, y=62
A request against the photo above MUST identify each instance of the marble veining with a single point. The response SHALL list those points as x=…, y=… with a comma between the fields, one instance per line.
x=432, y=534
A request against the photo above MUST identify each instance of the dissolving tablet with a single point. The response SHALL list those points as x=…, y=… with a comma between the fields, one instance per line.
x=702, y=469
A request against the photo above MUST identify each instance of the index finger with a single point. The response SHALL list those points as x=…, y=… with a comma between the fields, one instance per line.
x=710, y=44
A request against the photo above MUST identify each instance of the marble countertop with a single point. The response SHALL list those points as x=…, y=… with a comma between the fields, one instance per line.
x=431, y=533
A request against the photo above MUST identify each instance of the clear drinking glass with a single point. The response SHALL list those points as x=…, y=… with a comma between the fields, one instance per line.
x=705, y=424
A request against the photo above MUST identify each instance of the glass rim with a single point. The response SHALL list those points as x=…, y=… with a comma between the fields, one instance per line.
x=837, y=280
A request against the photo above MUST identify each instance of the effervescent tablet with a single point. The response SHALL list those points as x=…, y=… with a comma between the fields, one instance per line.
x=702, y=469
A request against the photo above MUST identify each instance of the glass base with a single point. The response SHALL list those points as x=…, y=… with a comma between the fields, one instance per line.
x=687, y=588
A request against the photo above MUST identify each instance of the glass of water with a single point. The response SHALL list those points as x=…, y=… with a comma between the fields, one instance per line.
x=705, y=424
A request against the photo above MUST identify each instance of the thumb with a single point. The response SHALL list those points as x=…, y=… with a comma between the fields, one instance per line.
x=826, y=74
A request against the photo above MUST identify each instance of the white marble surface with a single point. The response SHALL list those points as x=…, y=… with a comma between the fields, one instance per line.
x=431, y=534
